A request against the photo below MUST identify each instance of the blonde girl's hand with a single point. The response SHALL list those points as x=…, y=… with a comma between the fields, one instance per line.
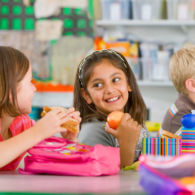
x=128, y=131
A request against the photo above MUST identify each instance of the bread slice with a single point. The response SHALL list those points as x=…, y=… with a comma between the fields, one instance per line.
x=167, y=134
x=70, y=125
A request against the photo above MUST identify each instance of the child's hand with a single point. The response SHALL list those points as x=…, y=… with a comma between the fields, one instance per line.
x=52, y=121
x=128, y=131
x=69, y=135
x=71, y=113
x=76, y=116
x=127, y=134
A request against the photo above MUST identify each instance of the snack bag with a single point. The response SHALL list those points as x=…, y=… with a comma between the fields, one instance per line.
x=167, y=175
x=59, y=156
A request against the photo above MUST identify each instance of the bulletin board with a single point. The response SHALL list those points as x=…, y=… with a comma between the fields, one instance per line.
x=14, y=15
x=17, y=29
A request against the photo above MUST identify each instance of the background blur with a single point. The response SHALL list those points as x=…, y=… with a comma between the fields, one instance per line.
x=56, y=34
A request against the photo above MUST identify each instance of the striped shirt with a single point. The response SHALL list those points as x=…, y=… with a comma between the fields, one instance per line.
x=172, y=119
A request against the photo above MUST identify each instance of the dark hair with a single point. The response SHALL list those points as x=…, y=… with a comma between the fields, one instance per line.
x=13, y=67
x=135, y=105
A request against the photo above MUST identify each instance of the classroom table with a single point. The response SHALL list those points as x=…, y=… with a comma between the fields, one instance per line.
x=126, y=182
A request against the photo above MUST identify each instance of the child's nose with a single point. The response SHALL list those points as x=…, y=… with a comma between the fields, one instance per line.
x=109, y=88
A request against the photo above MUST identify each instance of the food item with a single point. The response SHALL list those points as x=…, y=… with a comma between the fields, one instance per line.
x=167, y=134
x=187, y=180
x=134, y=166
x=70, y=125
x=114, y=119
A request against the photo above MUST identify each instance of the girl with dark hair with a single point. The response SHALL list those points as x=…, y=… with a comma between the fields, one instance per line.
x=105, y=83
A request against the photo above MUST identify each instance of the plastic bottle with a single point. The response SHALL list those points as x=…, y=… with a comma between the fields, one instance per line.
x=188, y=120
x=188, y=133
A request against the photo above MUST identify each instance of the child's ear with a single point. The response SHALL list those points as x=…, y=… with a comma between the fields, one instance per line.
x=129, y=88
x=86, y=96
x=190, y=85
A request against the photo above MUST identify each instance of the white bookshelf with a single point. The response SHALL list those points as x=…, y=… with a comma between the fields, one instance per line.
x=155, y=83
x=108, y=23
x=161, y=31
x=64, y=99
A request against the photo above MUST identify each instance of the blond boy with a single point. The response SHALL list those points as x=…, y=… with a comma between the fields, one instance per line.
x=182, y=73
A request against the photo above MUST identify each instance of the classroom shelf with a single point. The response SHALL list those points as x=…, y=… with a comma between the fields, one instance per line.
x=175, y=32
x=64, y=99
x=107, y=23
x=155, y=83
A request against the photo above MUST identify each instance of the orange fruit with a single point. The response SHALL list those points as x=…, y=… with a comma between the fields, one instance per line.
x=114, y=119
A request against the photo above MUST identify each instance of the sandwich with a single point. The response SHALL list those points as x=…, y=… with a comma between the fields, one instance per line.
x=70, y=125
x=167, y=134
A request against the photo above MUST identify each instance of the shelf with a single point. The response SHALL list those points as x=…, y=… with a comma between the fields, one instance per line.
x=107, y=23
x=64, y=99
x=155, y=83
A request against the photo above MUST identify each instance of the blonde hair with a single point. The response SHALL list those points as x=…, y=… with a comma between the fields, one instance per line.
x=182, y=67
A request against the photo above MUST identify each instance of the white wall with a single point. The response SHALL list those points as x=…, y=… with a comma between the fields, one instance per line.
x=158, y=99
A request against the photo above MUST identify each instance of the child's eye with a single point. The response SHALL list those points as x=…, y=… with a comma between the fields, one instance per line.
x=116, y=79
x=97, y=85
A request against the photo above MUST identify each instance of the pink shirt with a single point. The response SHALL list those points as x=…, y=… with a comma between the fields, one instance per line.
x=18, y=125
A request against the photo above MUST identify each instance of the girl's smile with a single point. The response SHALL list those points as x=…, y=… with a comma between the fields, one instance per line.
x=107, y=88
x=114, y=99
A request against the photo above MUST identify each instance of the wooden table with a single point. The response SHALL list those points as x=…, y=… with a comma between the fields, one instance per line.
x=126, y=182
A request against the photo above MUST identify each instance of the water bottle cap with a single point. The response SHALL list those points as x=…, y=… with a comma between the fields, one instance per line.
x=188, y=121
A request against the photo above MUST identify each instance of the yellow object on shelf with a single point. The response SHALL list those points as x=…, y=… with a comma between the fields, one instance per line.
x=152, y=126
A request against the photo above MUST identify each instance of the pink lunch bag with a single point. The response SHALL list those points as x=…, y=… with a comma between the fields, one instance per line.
x=60, y=156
